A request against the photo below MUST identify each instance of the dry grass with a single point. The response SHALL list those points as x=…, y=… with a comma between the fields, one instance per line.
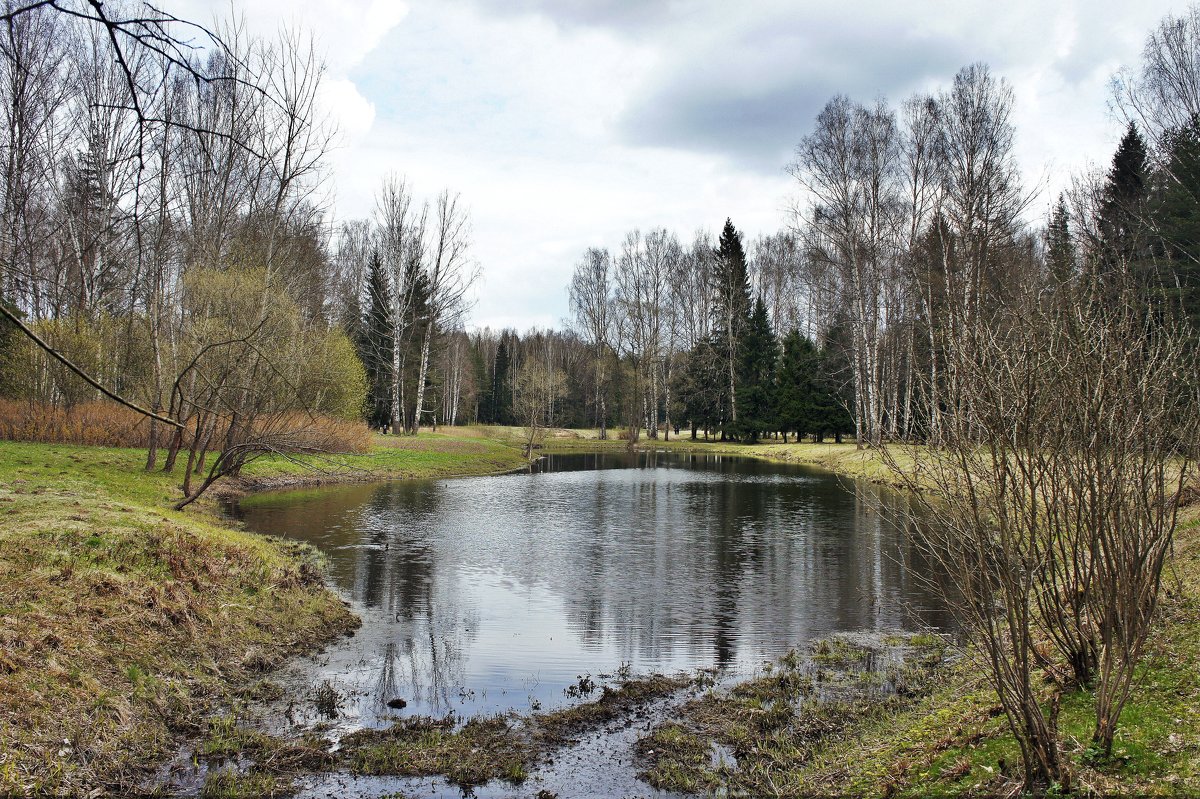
x=771, y=725
x=121, y=623
x=96, y=424
x=107, y=424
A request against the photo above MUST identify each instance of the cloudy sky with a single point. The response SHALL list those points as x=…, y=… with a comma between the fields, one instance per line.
x=565, y=123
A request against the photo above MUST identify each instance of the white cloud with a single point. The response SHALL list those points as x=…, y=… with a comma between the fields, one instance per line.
x=566, y=124
x=354, y=113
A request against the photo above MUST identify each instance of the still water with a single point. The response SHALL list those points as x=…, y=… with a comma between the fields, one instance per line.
x=496, y=593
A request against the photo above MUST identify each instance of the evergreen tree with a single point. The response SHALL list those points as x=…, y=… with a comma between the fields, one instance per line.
x=1176, y=215
x=1060, y=251
x=696, y=388
x=834, y=396
x=756, y=376
x=1123, y=203
x=797, y=386
x=374, y=343
x=730, y=315
x=501, y=405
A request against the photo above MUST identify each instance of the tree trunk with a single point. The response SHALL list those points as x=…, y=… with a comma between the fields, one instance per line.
x=173, y=450
x=397, y=379
x=152, y=444
x=421, y=373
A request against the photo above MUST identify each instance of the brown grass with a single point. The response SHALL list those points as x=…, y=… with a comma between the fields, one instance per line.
x=106, y=424
x=122, y=624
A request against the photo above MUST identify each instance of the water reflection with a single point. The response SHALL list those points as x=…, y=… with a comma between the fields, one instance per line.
x=493, y=593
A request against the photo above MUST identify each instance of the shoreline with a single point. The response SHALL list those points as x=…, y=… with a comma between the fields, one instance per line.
x=124, y=624
x=98, y=580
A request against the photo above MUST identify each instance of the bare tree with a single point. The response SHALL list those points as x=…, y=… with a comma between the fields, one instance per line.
x=401, y=233
x=776, y=268
x=850, y=166
x=1164, y=94
x=590, y=296
x=536, y=387
x=447, y=277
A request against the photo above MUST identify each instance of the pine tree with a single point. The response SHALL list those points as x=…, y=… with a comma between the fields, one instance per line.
x=731, y=315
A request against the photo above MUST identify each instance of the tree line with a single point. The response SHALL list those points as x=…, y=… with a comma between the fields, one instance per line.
x=165, y=242
x=911, y=225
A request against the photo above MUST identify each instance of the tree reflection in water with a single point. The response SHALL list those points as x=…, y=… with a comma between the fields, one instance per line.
x=484, y=594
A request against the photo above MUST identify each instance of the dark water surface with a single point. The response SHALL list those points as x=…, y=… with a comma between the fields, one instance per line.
x=496, y=593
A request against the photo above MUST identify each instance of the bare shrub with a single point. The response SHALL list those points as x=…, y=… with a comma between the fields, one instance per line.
x=1070, y=427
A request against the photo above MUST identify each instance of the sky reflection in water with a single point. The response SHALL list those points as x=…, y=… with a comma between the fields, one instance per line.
x=497, y=593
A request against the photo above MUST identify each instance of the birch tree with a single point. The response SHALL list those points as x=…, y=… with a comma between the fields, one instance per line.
x=849, y=166
x=401, y=244
x=447, y=277
x=590, y=298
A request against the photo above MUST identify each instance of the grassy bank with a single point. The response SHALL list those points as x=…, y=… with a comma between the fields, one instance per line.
x=952, y=742
x=462, y=452
x=123, y=623
x=845, y=459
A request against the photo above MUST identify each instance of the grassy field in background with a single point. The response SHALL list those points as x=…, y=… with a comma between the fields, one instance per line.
x=462, y=452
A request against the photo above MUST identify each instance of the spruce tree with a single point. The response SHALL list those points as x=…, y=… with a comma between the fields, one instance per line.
x=1060, y=251
x=697, y=387
x=501, y=387
x=374, y=343
x=730, y=316
x=756, y=376
x=835, y=384
x=797, y=386
x=1176, y=213
x=1123, y=203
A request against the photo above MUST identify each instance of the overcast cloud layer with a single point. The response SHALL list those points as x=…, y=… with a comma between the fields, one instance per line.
x=566, y=123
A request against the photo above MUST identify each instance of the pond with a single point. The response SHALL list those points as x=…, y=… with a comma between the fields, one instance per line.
x=515, y=592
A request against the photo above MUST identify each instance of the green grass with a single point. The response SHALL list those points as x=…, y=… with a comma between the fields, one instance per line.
x=482, y=750
x=123, y=623
x=232, y=784
x=463, y=452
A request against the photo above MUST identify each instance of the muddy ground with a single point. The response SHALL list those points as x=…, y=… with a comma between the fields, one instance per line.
x=647, y=736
